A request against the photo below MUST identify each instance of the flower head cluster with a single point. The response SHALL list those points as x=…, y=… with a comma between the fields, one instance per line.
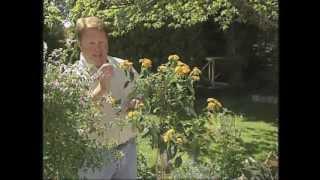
x=182, y=69
x=173, y=57
x=168, y=136
x=162, y=68
x=133, y=114
x=126, y=65
x=145, y=63
x=195, y=74
x=213, y=104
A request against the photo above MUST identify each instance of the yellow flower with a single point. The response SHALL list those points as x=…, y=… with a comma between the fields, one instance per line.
x=146, y=63
x=139, y=105
x=219, y=104
x=132, y=114
x=126, y=65
x=173, y=57
x=182, y=70
x=185, y=69
x=179, y=140
x=180, y=63
x=195, y=78
x=213, y=100
x=162, y=68
x=213, y=104
x=195, y=72
x=178, y=70
x=167, y=136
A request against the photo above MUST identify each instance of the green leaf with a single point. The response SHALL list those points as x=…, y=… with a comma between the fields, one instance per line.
x=156, y=110
x=145, y=132
x=180, y=88
x=178, y=162
x=190, y=111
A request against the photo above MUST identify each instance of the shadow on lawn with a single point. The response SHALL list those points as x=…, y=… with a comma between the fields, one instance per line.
x=260, y=140
x=243, y=105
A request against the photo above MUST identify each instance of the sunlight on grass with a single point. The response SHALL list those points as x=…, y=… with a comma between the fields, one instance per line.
x=149, y=153
x=259, y=139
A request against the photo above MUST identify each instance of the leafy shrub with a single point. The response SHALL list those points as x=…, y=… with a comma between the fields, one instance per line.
x=216, y=144
x=70, y=117
x=168, y=94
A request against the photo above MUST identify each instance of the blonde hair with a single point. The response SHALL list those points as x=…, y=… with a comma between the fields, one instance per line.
x=89, y=22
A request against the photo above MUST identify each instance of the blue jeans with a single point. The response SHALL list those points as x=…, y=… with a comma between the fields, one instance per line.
x=124, y=168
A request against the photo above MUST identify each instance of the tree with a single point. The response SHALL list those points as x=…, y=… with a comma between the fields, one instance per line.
x=125, y=15
x=128, y=18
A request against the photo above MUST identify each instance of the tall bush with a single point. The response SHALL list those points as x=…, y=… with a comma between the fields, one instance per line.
x=70, y=121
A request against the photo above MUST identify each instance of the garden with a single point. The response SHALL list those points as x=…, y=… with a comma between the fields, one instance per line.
x=186, y=128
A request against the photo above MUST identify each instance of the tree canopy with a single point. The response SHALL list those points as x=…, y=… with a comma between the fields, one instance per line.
x=125, y=15
x=246, y=28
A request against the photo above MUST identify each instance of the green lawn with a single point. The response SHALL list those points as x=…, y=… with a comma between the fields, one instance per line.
x=145, y=148
x=259, y=139
x=259, y=129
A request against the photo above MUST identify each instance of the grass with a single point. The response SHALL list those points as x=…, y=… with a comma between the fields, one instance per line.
x=259, y=127
x=150, y=154
x=259, y=139
x=243, y=105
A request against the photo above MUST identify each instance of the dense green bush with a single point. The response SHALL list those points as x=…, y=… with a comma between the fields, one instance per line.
x=70, y=117
x=228, y=152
